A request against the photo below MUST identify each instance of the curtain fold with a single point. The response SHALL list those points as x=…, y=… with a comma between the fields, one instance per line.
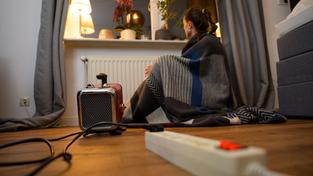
x=49, y=81
x=243, y=36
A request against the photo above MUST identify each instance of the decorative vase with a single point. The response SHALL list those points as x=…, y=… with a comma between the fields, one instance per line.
x=128, y=34
x=164, y=24
x=105, y=34
x=163, y=33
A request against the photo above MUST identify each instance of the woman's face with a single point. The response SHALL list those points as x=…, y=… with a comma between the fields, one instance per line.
x=187, y=28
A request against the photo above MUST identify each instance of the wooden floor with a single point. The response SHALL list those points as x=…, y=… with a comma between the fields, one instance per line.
x=289, y=149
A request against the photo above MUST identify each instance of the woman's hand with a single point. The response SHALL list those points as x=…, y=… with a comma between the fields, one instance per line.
x=148, y=70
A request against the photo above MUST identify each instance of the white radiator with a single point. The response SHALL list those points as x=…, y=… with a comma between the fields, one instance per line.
x=128, y=71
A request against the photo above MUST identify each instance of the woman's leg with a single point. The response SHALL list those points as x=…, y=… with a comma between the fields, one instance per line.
x=142, y=103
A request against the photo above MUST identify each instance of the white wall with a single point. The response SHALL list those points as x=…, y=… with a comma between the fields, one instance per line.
x=273, y=14
x=19, y=26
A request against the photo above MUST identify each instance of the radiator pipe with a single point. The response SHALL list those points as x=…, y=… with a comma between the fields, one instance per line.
x=85, y=61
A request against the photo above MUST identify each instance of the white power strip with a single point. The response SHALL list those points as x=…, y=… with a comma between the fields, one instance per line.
x=201, y=156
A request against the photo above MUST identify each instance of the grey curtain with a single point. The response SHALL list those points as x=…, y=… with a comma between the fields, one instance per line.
x=49, y=84
x=243, y=35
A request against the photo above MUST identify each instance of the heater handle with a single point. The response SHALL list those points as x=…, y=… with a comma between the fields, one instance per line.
x=103, y=78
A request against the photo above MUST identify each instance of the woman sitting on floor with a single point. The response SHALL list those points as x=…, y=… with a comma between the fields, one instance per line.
x=198, y=79
x=193, y=88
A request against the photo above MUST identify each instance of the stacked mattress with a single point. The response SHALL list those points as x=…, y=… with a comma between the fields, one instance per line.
x=295, y=71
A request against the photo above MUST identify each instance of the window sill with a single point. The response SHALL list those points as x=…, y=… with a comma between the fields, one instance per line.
x=94, y=42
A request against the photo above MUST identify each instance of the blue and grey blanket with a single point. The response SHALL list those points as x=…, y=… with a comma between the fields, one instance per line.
x=194, y=88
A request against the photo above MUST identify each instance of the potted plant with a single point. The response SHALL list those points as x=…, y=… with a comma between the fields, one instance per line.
x=121, y=11
x=166, y=15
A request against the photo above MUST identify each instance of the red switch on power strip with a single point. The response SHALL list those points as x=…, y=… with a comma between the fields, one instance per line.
x=228, y=145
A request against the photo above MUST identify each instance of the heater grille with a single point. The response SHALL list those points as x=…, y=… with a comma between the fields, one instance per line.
x=96, y=108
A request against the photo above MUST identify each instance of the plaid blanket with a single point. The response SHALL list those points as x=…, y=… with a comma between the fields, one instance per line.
x=193, y=88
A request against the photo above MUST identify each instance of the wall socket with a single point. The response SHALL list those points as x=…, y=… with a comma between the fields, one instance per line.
x=24, y=102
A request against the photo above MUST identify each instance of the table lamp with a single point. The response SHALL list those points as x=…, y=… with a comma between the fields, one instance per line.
x=86, y=24
x=81, y=6
x=79, y=9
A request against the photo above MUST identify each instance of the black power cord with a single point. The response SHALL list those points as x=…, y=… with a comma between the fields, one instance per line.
x=66, y=156
x=117, y=128
x=30, y=140
x=63, y=137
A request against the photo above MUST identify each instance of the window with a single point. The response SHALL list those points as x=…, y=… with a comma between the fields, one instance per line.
x=103, y=10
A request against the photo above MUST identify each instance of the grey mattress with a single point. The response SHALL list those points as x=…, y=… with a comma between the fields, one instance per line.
x=295, y=72
x=296, y=42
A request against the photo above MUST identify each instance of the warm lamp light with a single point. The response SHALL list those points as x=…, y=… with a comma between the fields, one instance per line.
x=86, y=24
x=81, y=6
x=218, y=30
x=81, y=10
